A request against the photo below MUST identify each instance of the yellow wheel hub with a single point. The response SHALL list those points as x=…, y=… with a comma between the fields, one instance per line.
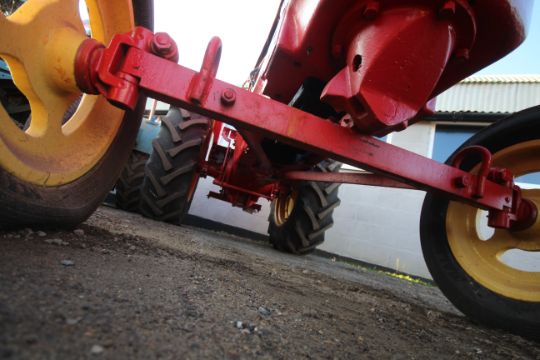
x=284, y=206
x=480, y=253
x=39, y=42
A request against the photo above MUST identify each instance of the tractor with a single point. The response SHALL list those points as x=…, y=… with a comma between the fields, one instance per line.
x=332, y=77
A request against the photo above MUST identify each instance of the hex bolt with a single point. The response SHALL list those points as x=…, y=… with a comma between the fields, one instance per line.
x=164, y=46
x=462, y=54
x=501, y=176
x=371, y=10
x=228, y=97
x=462, y=182
x=448, y=9
x=507, y=176
x=161, y=43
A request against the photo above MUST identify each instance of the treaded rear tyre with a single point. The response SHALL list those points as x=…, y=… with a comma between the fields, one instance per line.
x=171, y=173
x=484, y=303
x=128, y=186
x=303, y=229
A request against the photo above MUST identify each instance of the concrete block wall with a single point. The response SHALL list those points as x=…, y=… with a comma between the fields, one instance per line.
x=381, y=226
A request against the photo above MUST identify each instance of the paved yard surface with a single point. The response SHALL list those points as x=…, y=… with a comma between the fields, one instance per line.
x=123, y=287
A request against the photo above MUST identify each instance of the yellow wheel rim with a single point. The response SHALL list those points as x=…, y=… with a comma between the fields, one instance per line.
x=480, y=254
x=39, y=42
x=283, y=207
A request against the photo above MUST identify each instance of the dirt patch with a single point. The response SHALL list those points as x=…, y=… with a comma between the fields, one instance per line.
x=125, y=287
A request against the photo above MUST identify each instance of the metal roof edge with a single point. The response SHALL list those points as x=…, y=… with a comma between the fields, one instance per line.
x=465, y=116
x=502, y=79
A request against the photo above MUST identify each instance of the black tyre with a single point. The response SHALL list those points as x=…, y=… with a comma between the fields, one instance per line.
x=128, y=186
x=466, y=262
x=298, y=220
x=68, y=179
x=171, y=173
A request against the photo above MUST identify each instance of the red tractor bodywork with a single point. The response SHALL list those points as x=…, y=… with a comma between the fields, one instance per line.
x=333, y=74
x=382, y=61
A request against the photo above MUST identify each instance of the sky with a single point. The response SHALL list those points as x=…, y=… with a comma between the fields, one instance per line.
x=243, y=26
x=526, y=58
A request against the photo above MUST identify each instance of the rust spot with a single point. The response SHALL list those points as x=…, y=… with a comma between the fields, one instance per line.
x=292, y=127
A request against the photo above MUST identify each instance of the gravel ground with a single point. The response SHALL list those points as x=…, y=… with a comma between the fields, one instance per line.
x=123, y=287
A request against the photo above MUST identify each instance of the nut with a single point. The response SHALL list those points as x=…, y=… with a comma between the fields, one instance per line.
x=164, y=46
x=228, y=97
x=462, y=182
x=371, y=10
x=462, y=54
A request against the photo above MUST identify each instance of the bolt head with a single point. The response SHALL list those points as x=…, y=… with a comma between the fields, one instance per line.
x=164, y=46
x=505, y=175
x=228, y=97
x=161, y=43
x=462, y=54
x=371, y=10
x=448, y=9
x=462, y=182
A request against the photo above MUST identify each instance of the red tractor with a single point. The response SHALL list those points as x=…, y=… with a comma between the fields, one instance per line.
x=332, y=77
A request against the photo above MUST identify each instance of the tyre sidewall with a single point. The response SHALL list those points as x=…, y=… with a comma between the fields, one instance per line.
x=287, y=233
x=476, y=301
x=169, y=200
x=26, y=204
x=70, y=204
x=301, y=232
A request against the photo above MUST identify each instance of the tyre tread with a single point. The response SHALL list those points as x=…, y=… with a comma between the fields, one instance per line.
x=172, y=166
x=311, y=216
x=473, y=299
x=128, y=186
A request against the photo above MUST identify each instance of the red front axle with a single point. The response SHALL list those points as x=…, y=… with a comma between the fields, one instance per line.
x=131, y=65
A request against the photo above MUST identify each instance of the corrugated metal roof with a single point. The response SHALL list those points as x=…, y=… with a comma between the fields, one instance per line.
x=505, y=79
x=479, y=93
x=491, y=94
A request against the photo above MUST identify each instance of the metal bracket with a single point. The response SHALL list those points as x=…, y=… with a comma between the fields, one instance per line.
x=477, y=188
x=202, y=81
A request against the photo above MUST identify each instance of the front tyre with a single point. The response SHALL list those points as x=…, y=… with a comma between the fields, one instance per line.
x=468, y=260
x=299, y=219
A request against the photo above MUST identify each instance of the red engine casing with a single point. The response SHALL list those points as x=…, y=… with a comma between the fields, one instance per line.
x=384, y=59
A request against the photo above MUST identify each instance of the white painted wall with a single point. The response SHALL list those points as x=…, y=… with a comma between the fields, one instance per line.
x=379, y=225
x=375, y=225
x=224, y=212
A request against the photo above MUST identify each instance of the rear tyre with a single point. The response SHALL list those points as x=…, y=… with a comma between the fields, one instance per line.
x=299, y=219
x=128, y=186
x=172, y=172
x=467, y=263
x=69, y=178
